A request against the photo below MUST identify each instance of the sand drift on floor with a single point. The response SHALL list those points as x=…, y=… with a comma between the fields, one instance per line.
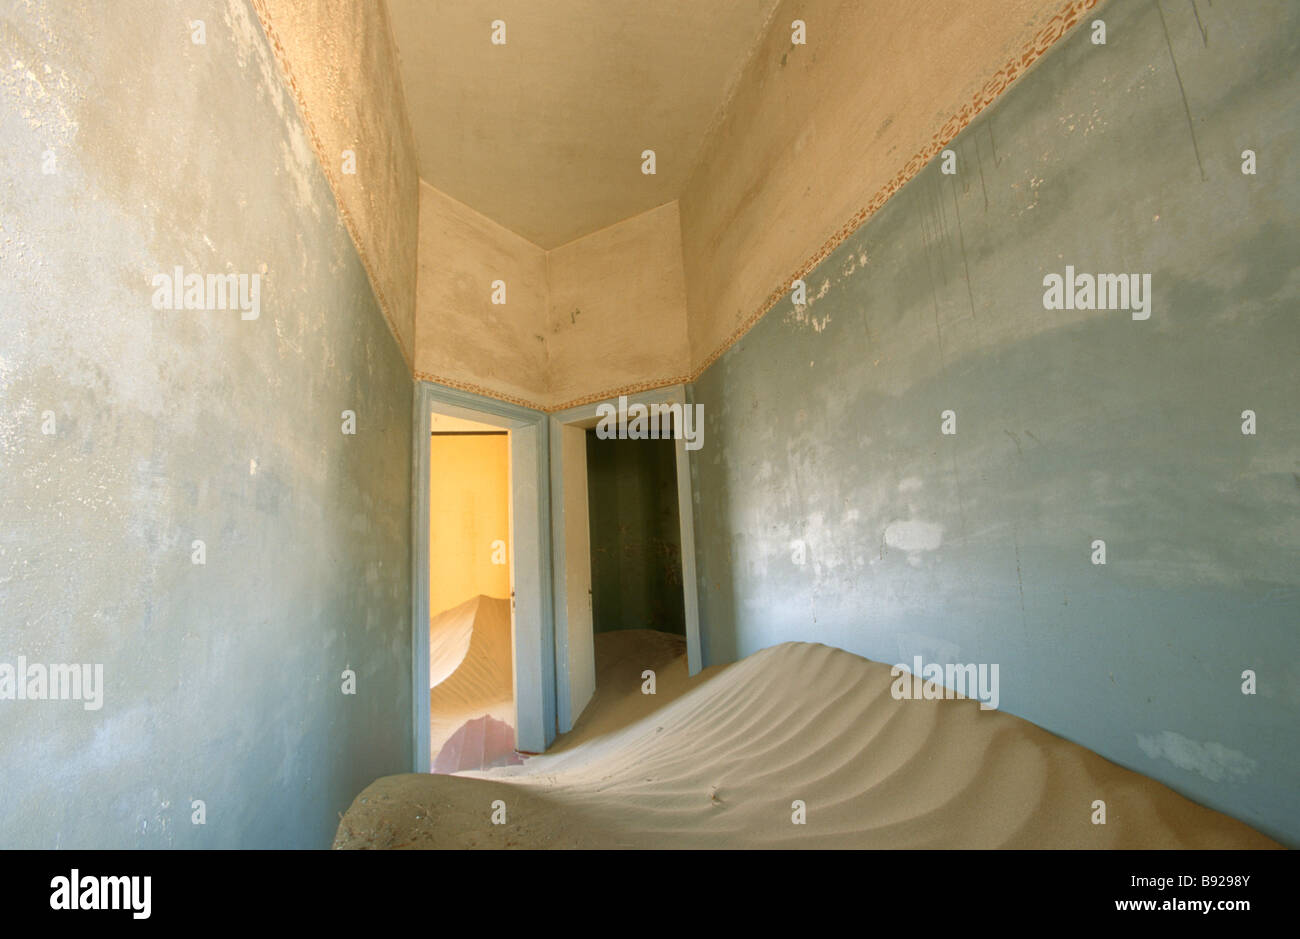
x=471, y=696
x=719, y=761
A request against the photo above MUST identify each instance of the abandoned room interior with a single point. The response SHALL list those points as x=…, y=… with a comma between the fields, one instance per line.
x=689, y=424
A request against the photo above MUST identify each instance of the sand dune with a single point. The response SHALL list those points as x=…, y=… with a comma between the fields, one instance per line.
x=717, y=761
x=470, y=667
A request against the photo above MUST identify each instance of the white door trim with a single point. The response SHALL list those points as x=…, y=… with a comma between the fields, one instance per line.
x=585, y=416
x=530, y=561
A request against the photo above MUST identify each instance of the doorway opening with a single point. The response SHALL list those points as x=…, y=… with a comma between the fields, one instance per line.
x=636, y=545
x=471, y=650
x=483, y=636
x=623, y=544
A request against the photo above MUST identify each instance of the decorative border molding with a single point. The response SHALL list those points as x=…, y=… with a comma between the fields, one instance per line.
x=1067, y=17
x=1056, y=28
x=636, y=388
x=472, y=388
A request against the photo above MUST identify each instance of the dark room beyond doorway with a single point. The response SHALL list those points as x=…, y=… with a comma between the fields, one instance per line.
x=636, y=552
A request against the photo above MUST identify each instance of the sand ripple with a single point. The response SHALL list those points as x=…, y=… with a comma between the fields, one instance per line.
x=717, y=761
x=470, y=667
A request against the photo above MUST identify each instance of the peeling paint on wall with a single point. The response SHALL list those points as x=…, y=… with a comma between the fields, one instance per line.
x=753, y=205
x=1071, y=425
x=1212, y=760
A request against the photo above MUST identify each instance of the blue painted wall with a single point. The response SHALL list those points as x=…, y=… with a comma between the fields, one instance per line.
x=823, y=423
x=222, y=681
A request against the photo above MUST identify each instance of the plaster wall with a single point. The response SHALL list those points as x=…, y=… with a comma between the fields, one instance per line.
x=832, y=507
x=130, y=433
x=817, y=136
x=341, y=65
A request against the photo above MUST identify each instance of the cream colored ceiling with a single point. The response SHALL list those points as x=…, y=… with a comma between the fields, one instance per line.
x=544, y=134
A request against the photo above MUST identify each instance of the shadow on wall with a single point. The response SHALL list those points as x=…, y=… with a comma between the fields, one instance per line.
x=191, y=431
x=835, y=504
x=714, y=534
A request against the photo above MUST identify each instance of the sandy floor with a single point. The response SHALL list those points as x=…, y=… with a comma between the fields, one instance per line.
x=470, y=672
x=717, y=761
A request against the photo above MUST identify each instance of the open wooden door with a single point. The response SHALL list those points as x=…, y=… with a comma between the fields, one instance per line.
x=534, y=714
x=579, y=647
x=575, y=646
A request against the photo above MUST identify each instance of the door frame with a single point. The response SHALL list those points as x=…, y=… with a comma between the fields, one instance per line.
x=533, y=625
x=586, y=416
